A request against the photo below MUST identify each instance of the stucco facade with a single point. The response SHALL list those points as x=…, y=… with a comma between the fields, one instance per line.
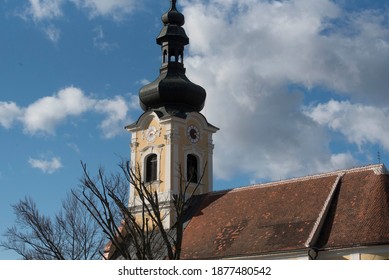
x=168, y=137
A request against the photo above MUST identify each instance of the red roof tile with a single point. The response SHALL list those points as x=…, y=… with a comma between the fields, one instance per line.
x=256, y=220
x=360, y=213
x=280, y=217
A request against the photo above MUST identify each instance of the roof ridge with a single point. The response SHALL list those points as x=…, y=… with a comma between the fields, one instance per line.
x=314, y=235
x=378, y=169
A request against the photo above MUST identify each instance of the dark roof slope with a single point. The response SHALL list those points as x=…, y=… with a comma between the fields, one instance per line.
x=284, y=216
x=359, y=214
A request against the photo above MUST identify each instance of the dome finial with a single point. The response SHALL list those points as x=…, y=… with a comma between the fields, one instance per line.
x=173, y=16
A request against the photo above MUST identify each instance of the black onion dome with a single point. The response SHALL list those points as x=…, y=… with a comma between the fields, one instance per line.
x=173, y=16
x=172, y=90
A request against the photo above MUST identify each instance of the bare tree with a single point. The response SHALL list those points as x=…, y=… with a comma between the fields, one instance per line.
x=137, y=232
x=71, y=234
x=98, y=213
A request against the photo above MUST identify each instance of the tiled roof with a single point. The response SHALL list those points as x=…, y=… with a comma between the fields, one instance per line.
x=359, y=214
x=338, y=209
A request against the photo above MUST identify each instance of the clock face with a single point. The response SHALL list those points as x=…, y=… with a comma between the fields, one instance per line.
x=151, y=133
x=193, y=133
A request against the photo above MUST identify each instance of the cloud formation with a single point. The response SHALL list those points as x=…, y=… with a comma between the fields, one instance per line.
x=45, y=114
x=9, y=112
x=100, y=42
x=116, y=113
x=52, y=33
x=45, y=10
x=40, y=10
x=251, y=56
x=45, y=13
x=48, y=166
x=115, y=9
x=360, y=124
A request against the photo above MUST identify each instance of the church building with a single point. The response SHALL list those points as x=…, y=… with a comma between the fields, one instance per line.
x=337, y=215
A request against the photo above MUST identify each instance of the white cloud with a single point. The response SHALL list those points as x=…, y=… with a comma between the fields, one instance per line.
x=144, y=82
x=9, y=113
x=43, y=116
x=342, y=160
x=336, y=162
x=115, y=9
x=44, y=9
x=246, y=54
x=45, y=12
x=298, y=42
x=116, y=113
x=360, y=124
x=74, y=147
x=47, y=166
x=100, y=42
x=133, y=103
x=52, y=33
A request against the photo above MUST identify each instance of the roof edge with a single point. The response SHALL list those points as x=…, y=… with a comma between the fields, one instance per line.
x=253, y=256
x=378, y=169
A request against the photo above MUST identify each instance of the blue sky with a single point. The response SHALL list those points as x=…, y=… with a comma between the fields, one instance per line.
x=296, y=87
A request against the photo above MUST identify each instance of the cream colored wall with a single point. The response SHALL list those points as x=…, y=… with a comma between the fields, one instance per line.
x=379, y=252
x=355, y=256
x=172, y=146
x=374, y=257
x=199, y=149
x=158, y=146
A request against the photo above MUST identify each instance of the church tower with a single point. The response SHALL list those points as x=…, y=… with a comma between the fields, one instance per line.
x=171, y=142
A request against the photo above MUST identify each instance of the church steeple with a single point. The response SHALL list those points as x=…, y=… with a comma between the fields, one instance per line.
x=171, y=142
x=172, y=90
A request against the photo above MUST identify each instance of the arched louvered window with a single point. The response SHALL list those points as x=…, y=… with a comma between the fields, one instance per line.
x=192, y=168
x=151, y=168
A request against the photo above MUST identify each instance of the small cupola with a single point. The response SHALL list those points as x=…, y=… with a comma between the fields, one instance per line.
x=173, y=16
